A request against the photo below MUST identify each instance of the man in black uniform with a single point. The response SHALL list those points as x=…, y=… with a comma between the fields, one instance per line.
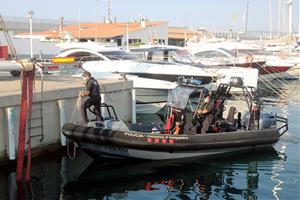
x=93, y=92
x=205, y=111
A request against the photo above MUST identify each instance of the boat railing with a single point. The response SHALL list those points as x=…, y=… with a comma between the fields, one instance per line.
x=109, y=109
x=284, y=124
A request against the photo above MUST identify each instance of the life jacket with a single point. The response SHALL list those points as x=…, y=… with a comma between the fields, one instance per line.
x=169, y=124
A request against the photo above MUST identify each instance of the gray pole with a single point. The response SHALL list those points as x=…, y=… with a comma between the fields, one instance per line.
x=30, y=13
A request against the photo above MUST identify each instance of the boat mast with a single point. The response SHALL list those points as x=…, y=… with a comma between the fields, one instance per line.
x=279, y=18
x=246, y=20
x=290, y=14
x=299, y=21
x=270, y=16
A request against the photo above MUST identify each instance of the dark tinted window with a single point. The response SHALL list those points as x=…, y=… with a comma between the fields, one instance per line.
x=85, y=56
x=118, y=55
x=209, y=54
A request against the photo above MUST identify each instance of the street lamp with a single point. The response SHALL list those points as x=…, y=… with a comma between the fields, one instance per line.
x=30, y=14
x=127, y=37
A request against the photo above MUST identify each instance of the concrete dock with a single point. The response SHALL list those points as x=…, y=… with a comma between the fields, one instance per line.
x=51, y=110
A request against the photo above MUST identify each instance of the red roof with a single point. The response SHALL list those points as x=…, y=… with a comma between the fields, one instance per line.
x=97, y=30
x=179, y=33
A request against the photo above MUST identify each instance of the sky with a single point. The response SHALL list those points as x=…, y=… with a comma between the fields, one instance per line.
x=215, y=15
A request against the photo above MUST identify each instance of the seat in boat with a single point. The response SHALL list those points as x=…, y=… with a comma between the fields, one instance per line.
x=230, y=123
x=230, y=117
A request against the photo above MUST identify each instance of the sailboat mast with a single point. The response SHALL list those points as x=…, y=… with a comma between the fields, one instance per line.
x=299, y=20
x=246, y=20
x=270, y=16
x=298, y=39
x=279, y=18
x=290, y=11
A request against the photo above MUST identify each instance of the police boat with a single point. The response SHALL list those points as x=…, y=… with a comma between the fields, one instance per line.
x=235, y=126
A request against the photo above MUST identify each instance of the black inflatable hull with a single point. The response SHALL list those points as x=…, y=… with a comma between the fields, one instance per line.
x=106, y=142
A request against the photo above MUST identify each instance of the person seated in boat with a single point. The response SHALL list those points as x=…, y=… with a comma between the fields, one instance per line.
x=94, y=98
x=178, y=123
x=205, y=113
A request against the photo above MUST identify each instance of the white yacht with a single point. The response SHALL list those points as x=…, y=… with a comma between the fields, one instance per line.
x=244, y=55
x=101, y=58
x=152, y=79
x=220, y=73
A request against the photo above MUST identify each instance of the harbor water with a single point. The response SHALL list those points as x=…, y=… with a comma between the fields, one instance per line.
x=268, y=174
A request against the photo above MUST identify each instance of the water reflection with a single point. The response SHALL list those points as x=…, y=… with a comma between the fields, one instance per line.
x=234, y=178
x=249, y=176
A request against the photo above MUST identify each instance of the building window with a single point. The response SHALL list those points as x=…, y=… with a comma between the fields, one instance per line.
x=161, y=41
x=134, y=41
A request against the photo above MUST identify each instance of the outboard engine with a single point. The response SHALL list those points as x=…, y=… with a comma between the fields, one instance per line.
x=267, y=120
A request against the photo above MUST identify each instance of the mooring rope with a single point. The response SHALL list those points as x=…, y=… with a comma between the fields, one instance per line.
x=272, y=87
x=76, y=107
x=274, y=74
x=30, y=97
x=22, y=128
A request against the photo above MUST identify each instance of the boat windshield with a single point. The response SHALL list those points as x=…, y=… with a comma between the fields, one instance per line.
x=210, y=54
x=228, y=51
x=118, y=55
x=183, y=56
x=179, y=97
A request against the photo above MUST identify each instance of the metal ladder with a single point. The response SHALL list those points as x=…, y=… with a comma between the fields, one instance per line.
x=37, y=122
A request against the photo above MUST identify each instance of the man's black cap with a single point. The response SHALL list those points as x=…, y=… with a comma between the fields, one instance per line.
x=86, y=73
x=205, y=92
